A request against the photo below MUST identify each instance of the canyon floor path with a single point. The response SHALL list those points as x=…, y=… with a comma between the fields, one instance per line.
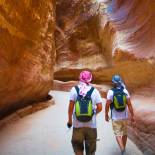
x=45, y=133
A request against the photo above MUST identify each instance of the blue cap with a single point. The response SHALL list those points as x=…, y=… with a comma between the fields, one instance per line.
x=117, y=79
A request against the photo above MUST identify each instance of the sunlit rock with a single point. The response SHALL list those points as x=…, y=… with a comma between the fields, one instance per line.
x=26, y=52
x=80, y=36
x=117, y=37
x=134, y=22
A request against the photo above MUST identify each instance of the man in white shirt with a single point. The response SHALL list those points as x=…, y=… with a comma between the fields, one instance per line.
x=84, y=133
x=119, y=117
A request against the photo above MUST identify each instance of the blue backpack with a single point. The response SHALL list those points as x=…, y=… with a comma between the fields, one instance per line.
x=83, y=106
x=119, y=100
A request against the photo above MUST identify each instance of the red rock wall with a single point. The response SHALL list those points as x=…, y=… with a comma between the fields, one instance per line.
x=78, y=42
x=84, y=36
x=134, y=22
x=142, y=130
x=26, y=52
x=118, y=26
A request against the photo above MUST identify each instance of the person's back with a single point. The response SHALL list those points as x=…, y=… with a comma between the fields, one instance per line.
x=116, y=114
x=84, y=131
x=118, y=99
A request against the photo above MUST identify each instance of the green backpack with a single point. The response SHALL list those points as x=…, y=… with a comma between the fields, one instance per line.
x=119, y=100
x=83, y=106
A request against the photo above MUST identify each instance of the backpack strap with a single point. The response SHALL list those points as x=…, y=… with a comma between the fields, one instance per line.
x=112, y=104
x=115, y=91
x=89, y=93
x=77, y=89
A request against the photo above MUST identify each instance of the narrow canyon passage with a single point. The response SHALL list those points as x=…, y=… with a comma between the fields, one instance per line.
x=45, y=133
x=46, y=40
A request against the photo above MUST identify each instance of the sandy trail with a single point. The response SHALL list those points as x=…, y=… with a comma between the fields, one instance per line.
x=45, y=133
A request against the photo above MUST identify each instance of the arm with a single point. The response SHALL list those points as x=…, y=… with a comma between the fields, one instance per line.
x=70, y=111
x=108, y=102
x=98, y=102
x=130, y=108
x=98, y=108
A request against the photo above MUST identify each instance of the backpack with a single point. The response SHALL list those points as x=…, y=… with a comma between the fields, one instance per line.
x=83, y=106
x=119, y=100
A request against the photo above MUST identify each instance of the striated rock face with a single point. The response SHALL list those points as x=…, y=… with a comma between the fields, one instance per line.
x=26, y=52
x=87, y=35
x=101, y=28
x=79, y=40
x=124, y=29
x=134, y=22
x=89, y=39
x=91, y=31
x=142, y=130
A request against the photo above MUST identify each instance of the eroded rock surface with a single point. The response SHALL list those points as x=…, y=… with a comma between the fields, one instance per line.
x=91, y=31
x=89, y=39
x=134, y=22
x=79, y=36
x=142, y=130
x=26, y=52
x=87, y=35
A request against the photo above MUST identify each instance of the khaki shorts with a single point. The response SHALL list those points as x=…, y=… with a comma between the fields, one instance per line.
x=84, y=138
x=120, y=127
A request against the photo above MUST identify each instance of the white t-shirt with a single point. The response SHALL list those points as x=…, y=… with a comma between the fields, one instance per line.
x=96, y=98
x=115, y=115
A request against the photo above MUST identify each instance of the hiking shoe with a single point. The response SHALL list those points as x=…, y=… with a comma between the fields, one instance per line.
x=123, y=152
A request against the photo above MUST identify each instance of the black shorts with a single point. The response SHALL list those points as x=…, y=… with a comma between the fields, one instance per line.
x=84, y=136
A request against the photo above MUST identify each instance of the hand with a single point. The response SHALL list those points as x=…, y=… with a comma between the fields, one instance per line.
x=94, y=112
x=107, y=118
x=132, y=118
x=69, y=124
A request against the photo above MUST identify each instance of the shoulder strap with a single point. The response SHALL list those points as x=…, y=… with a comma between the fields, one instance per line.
x=77, y=89
x=112, y=104
x=115, y=90
x=89, y=93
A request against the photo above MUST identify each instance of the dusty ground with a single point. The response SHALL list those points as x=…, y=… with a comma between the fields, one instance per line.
x=45, y=133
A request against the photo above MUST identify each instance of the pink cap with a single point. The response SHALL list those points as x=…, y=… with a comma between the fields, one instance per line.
x=85, y=76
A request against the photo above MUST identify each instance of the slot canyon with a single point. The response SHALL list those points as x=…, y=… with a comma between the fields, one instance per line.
x=45, y=44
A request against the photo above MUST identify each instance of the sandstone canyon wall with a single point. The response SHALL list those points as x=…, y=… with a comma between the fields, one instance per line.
x=90, y=39
x=122, y=34
x=134, y=22
x=91, y=31
x=79, y=43
x=26, y=52
x=87, y=34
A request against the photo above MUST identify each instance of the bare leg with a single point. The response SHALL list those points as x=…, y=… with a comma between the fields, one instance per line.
x=120, y=142
x=124, y=138
x=79, y=153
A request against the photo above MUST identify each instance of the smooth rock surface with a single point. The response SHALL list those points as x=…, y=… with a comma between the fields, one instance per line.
x=27, y=52
x=89, y=32
x=78, y=38
x=134, y=22
x=142, y=131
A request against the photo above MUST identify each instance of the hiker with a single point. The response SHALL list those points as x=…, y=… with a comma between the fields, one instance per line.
x=118, y=99
x=85, y=104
